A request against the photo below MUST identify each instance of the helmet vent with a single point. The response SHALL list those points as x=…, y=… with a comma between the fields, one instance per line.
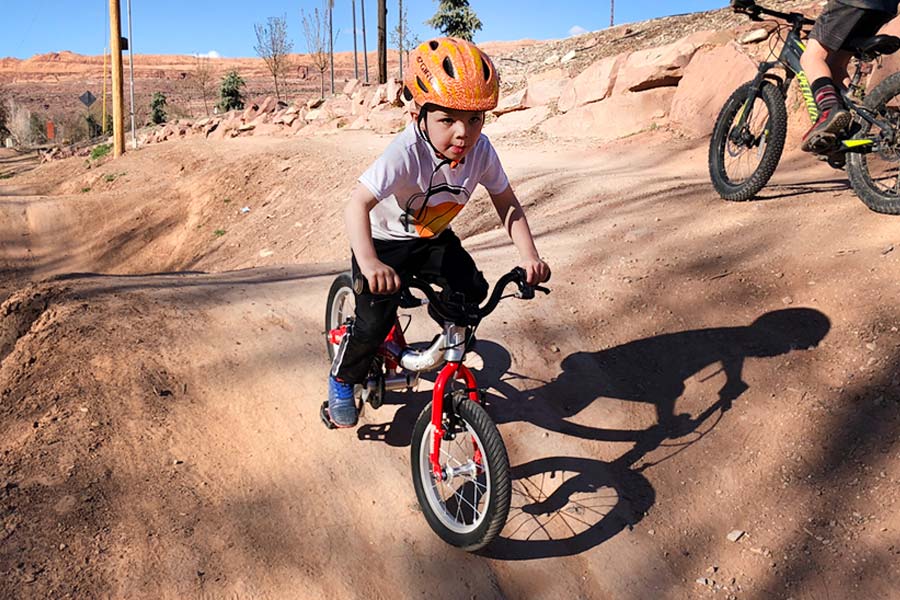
x=433, y=44
x=448, y=67
x=407, y=94
x=421, y=84
x=485, y=69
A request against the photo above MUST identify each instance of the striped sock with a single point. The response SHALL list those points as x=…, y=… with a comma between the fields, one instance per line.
x=825, y=94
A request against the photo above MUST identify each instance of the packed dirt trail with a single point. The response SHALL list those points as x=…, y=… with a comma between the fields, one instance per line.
x=700, y=367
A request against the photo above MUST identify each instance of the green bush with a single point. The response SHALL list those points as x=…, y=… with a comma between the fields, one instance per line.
x=100, y=151
x=158, y=108
x=230, y=95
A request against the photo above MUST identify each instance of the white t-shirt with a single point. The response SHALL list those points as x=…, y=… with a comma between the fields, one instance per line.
x=400, y=178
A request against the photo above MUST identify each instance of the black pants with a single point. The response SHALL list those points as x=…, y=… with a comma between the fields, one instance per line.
x=441, y=261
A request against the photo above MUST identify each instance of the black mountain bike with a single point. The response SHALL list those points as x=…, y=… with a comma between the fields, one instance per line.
x=749, y=135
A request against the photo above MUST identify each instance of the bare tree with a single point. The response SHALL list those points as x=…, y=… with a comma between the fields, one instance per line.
x=315, y=31
x=331, y=40
x=273, y=46
x=203, y=80
x=402, y=38
x=4, y=113
x=19, y=123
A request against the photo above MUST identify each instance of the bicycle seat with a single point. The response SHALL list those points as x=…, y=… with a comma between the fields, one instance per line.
x=869, y=48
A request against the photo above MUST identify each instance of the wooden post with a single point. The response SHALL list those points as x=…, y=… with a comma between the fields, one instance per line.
x=118, y=96
x=382, y=41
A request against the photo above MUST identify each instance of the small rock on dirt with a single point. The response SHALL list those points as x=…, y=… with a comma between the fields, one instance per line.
x=735, y=535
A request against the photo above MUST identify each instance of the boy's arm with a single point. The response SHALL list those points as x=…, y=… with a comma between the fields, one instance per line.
x=382, y=278
x=513, y=218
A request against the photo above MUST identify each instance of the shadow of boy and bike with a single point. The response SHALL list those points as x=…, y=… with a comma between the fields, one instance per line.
x=564, y=505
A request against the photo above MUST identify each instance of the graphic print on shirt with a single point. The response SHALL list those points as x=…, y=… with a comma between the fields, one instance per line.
x=426, y=215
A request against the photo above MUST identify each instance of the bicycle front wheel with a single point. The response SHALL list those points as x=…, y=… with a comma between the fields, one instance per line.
x=742, y=158
x=875, y=176
x=467, y=504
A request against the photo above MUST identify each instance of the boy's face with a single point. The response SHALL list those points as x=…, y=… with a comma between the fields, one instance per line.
x=454, y=132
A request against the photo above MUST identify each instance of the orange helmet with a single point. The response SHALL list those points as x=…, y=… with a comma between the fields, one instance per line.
x=451, y=73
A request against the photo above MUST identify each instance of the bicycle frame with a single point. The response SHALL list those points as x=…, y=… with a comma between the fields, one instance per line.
x=447, y=351
x=789, y=60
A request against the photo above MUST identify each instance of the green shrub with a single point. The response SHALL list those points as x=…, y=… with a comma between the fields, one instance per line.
x=230, y=95
x=100, y=151
x=158, y=108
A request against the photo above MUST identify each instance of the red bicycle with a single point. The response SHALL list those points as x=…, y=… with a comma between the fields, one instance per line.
x=460, y=468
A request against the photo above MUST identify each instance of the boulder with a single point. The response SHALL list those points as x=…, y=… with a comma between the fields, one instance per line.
x=387, y=120
x=315, y=103
x=616, y=117
x=511, y=102
x=593, y=84
x=664, y=65
x=379, y=96
x=350, y=87
x=521, y=120
x=708, y=81
x=268, y=105
x=544, y=88
x=394, y=92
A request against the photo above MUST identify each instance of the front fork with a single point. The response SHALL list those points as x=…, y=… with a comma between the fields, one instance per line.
x=451, y=372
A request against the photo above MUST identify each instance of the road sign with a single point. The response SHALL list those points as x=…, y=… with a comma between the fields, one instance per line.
x=87, y=99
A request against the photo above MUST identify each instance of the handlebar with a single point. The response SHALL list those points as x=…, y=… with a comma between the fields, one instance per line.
x=468, y=314
x=753, y=10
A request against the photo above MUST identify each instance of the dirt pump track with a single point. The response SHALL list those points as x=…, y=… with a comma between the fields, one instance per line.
x=700, y=367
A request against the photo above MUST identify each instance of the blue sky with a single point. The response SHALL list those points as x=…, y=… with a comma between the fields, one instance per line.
x=226, y=26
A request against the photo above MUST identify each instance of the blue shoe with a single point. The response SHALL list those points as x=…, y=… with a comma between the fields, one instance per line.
x=341, y=403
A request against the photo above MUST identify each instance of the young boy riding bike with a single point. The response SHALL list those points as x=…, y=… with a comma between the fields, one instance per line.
x=398, y=215
x=825, y=62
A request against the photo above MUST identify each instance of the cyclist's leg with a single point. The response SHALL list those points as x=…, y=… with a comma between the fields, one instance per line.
x=375, y=315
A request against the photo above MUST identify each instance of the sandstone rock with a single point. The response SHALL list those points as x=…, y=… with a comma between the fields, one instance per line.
x=393, y=92
x=544, y=88
x=613, y=118
x=350, y=87
x=593, y=84
x=387, y=120
x=379, y=96
x=571, y=54
x=511, y=102
x=708, y=81
x=249, y=113
x=755, y=36
x=313, y=115
x=517, y=121
x=664, y=65
x=268, y=105
x=315, y=103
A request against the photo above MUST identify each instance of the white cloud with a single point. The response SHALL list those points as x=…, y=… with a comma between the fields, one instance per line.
x=577, y=30
x=210, y=54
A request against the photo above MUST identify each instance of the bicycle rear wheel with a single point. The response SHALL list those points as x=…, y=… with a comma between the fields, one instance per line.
x=875, y=176
x=742, y=160
x=341, y=304
x=468, y=504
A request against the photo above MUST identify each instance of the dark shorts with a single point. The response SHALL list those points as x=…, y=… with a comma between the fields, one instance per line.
x=840, y=22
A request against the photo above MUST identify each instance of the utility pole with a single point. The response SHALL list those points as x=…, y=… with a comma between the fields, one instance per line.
x=115, y=29
x=382, y=41
x=355, y=58
x=612, y=12
x=131, y=68
x=400, y=34
x=331, y=42
x=362, y=8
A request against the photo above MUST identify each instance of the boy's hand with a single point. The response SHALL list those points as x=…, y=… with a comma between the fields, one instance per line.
x=382, y=278
x=536, y=271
